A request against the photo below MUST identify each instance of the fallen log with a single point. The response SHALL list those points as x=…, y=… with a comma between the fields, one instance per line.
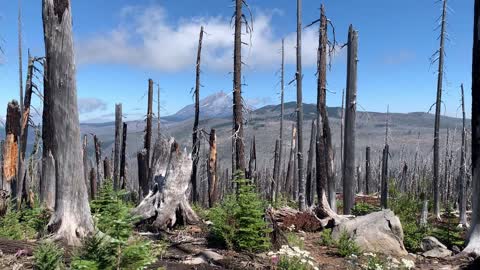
x=292, y=219
x=166, y=204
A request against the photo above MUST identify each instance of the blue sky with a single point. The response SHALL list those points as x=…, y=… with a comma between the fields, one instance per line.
x=120, y=44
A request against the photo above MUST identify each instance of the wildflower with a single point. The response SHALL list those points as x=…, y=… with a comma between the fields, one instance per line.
x=408, y=263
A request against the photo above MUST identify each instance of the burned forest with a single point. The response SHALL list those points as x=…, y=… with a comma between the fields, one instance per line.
x=240, y=134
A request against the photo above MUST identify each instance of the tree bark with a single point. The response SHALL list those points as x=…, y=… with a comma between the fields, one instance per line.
x=237, y=138
x=107, y=169
x=473, y=246
x=299, y=78
x=463, y=169
x=142, y=174
x=282, y=109
x=367, y=170
x=212, y=169
x=71, y=220
x=384, y=186
x=93, y=183
x=438, y=105
x=311, y=152
x=98, y=160
x=195, y=133
x=123, y=175
x=276, y=173
x=350, y=114
x=11, y=148
x=147, y=143
x=290, y=170
x=252, y=163
x=85, y=163
x=118, y=142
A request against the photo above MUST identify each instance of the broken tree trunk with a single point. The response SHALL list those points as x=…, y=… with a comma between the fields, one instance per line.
x=350, y=112
x=123, y=180
x=212, y=169
x=107, y=169
x=252, y=163
x=85, y=163
x=462, y=198
x=147, y=142
x=142, y=174
x=311, y=152
x=10, y=155
x=276, y=175
x=116, y=154
x=288, y=218
x=290, y=170
x=93, y=183
x=71, y=220
x=2, y=143
x=167, y=202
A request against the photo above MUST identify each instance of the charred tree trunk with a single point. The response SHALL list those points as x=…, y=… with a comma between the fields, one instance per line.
x=350, y=114
x=290, y=170
x=299, y=78
x=252, y=163
x=2, y=143
x=237, y=91
x=11, y=148
x=168, y=202
x=311, y=151
x=384, y=186
x=195, y=134
x=71, y=220
x=142, y=174
x=98, y=160
x=123, y=176
x=367, y=170
x=118, y=141
x=212, y=169
x=282, y=109
x=276, y=173
x=438, y=105
x=474, y=235
x=147, y=143
x=158, y=110
x=93, y=183
x=462, y=198
x=107, y=169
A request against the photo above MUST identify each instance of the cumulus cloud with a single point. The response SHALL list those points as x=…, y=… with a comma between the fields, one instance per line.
x=88, y=105
x=145, y=38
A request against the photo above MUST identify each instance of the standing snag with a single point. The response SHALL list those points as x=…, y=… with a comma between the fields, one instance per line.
x=11, y=148
x=71, y=220
x=350, y=114
x=118, y=141
x=298, y=79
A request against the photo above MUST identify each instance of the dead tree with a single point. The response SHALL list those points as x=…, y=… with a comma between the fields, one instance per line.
x=147, y=142
x=107, y=170
x=282, y=109
x=167, y=202
x=123, y=178
x=311, y=151
x=367, y=170
x=2, y=143
x=438, y=105
x=195, y=133
x=118, y=142
x=93, y=183
x=98, y=158
x=384, y=184
x=291, y=161
x=71, y=220
x=252, y=163
x=142, y=174
x=20, y=157
x=11, y=148
x=350, y=114
x=342, y=123
x=212, y=169
x=276, y=173
x=462, y=198
x=158, y=110
x=298, y=79
x=324, y=156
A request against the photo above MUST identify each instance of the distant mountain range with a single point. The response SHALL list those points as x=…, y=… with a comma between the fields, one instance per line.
x=216, y=105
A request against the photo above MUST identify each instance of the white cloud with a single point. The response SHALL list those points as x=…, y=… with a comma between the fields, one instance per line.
x=88, y=105
x=145, y=38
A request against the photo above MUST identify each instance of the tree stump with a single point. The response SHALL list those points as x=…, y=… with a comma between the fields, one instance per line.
x=166, y=204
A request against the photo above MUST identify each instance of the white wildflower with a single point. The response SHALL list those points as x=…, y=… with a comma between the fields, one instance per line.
x=408, y=263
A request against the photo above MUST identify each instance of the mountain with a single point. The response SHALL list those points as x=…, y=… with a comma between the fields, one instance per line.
x=218, y=105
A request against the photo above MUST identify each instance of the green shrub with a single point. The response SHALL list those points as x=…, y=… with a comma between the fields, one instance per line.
x=10, y=227
x=347, y=246
x=200, y=211
x=293, y=263
x=48, y=256
x=28, y=223
x=326, y=238
x=238, y=221
x=114, y=248
x=361, y=209
x=374, y=263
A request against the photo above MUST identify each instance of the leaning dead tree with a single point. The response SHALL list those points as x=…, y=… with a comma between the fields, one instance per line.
x=350, y=114
x=10, y=154
x=473, y=246
x=71, y=220
x=166, y=204
x=237, y=133
x=196, y=132
x=438, y=105
x=298, y=79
